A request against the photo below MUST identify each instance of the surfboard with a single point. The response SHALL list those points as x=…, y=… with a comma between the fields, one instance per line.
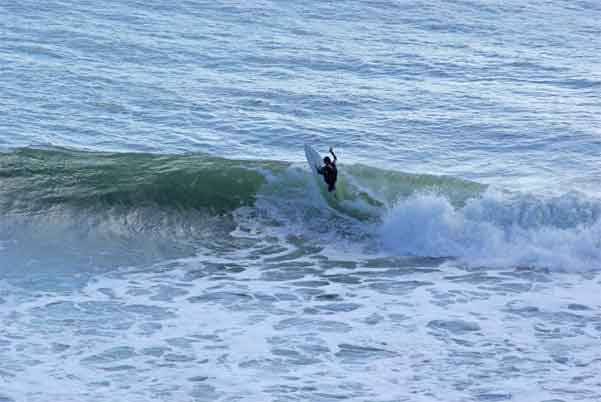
x=313, y=158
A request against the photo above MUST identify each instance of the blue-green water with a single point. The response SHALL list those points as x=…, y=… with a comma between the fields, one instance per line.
x=161, y=236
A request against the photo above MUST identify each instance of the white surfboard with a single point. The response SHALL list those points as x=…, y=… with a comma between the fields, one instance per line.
x=313, y=158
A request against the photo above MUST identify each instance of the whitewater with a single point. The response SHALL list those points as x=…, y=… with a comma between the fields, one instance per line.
x=163, y=238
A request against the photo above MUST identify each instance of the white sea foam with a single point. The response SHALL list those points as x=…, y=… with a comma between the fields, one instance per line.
x=498, y=230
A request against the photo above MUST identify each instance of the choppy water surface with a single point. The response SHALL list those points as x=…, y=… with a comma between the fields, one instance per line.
x=296, y=322
x=161, y=237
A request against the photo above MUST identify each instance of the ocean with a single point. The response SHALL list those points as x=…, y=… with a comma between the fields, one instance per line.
x=163, y=238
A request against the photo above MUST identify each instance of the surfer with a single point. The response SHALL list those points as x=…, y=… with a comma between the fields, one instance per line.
x=329, y=171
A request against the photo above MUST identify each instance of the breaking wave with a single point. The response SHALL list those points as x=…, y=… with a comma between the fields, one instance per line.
x=181, y=201
x=499, y=229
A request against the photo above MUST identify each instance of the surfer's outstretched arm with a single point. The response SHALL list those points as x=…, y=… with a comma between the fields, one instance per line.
x=333, y=154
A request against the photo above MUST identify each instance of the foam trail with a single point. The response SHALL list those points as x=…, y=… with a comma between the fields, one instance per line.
x=498, y=230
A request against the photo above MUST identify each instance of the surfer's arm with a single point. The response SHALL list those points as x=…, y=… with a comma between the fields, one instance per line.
x=333, y=154
x=319, y=169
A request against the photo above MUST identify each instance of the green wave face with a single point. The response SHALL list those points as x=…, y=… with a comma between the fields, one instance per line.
x=34, y=179
x=390, y=186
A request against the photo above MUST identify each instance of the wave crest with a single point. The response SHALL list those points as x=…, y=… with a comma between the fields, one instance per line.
x=35, y=179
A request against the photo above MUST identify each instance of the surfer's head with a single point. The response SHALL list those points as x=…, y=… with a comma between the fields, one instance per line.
x=327, y=160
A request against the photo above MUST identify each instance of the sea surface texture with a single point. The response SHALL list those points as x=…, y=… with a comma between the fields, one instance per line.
x=162, y=237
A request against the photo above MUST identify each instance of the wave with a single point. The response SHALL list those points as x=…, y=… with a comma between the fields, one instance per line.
x=150, y=203
x=35, y=180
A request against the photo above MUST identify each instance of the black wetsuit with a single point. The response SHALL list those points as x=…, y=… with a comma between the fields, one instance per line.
x=330, y=175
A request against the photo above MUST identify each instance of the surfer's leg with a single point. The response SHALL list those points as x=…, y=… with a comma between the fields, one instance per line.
x=332, y=189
